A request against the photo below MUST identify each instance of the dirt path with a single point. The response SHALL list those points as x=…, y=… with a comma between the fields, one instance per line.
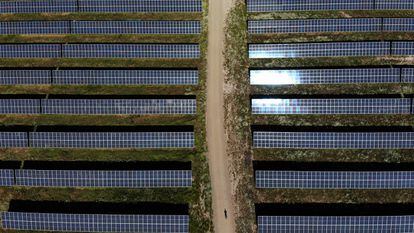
x=218, y=160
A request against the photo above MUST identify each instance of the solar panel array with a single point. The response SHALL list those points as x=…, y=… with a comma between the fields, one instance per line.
x=403, y=48
x=399, y=24
x=321, y=5
x=407, y=75
x=331, y=106
x=21, y=77
x=30, y=50
x=101, y=27
x=19, y=106
x=13, y=139
x=95, y=222
x=190, y=51
x=39, y=6
x=335, y=179
x=112, y=139
x=119, y=106
x=342, y=224
x=330, y=76
x=99, y=77
x=131, y=51
x=315, y=25
x=334, y=140
x=53, y=6
x=331, y=49
x=103, y=178
x=394, y=4
x=125, y=77
x=6, y=177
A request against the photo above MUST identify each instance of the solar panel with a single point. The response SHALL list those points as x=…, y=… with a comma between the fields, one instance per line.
x=6, y=177
x=403, y=48
x=335, y=179
x=331, y=106
x=125, y=77
x=314, y=25
x=95, y=222
x=136, y=27
x=112, y=139
x=35, y=27
x=19, y=106
x=30, y=50
x=334, y=140
x=13, y=139
x=140, y=6
x=131, y=51
x=307, y=5
x=394, y=5
x=332, y=49
x=399, y=24
x=360, y=224
x=118, y=179
x=38, y=6
x=24, y=77
x=324, y=76
x=119, y=106
x=407, y=75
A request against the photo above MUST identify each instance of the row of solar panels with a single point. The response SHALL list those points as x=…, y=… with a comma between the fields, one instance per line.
x=101, y=27
x=337, y=224
x=331, y=25
x=332, y=106
x=335, y=179
x=95, y=178
x=98, y=106
x=99, y=77
x=321, y=5
x=331, y=76
x=191, y=51
x=333, y=140
x=332, y=49
x=95, y=222
x=97, y=139
x=63, y=6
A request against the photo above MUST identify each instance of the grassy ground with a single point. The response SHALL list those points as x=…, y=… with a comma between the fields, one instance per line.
x=239, y=119
x=198, y=196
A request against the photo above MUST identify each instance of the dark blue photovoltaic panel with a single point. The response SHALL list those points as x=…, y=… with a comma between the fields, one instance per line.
x=307, y=5
x=399, y=24
x=115, y=179
x=394, y=4
x=126, y=77
x=119, y=106
x=38, y=6
x=140, y=6
x=324, y=76
x=333, y=49
x=335, y=179
x=6, y=177
x=35, y=27
x=408, y=75
x=112, y=139
x=331, y=106
x=334, y=140
x=95, y=222
x=136, y=27
x=30, y=50
x=23, y=77
x=314, y=25
x=335, y=224
x=13, y=139
x=403, y=48
x=19, y=106
x=131, y=51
